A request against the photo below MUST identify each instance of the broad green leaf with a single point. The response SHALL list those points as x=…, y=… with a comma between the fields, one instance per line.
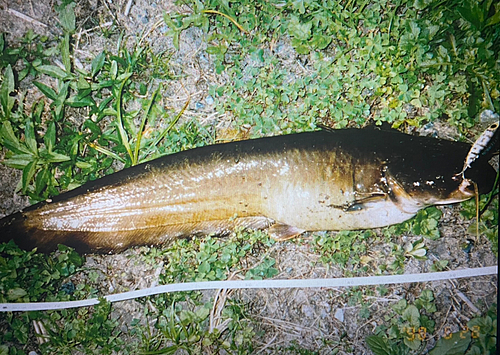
x=457, y=344
x=493, y=20
x=94, y=128
x=59, y=102
x=53, y=157
x=98, y=63
x=29, y=137
x=10, y=140
x=83, y=85
x=378, y=345
x=28, y=173
x=114, y=69
x=67, y=17
x=46, y=90
x=421, y=4
x=412, y=315
x=8, y=86
x=50, y=136
x=76, y=101
x=53, y=71
x=65, y=52
x=37, y=110
x=4, y=350
x=41, y=180
x=414, y=343
x=18, y=161
x=320, y=42
x=15, y=293
x=101, y=84
x=301, y=31
x=83, y=165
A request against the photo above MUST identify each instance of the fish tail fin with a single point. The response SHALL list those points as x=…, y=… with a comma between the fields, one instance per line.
x=13, y=228
x=17, y=228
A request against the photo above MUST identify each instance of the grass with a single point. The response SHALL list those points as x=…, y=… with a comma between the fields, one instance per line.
x=407, y=63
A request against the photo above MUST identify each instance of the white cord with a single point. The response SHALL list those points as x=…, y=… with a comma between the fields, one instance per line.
x=298, y=283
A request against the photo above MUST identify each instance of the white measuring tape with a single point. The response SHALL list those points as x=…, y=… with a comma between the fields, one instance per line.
x=215, y=285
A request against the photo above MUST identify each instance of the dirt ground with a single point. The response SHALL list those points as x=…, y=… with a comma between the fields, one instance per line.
x=315, y=319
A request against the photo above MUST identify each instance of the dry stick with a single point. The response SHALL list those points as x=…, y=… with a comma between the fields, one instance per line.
x=443, y=324
x=466, y=300
x=106, y=5
x=25, y=17
x=215, y=12
x=153, y=28
x=127, y=8
x=268, y=344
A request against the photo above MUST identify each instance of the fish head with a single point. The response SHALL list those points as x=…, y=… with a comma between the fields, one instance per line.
x=433, y=176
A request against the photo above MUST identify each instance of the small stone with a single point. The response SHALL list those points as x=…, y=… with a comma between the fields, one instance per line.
x=339, y=315
x=209, y=100
x=308, y=311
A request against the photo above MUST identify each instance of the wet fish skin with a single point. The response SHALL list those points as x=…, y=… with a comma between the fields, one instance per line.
x=325, y=180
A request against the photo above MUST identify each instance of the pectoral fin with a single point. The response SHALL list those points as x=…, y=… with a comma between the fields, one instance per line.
x=363, y=203
x=280, y=232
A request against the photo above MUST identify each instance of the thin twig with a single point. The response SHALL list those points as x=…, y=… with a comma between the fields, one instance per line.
x=466, y=300
x=128, y=7
x=25, y=17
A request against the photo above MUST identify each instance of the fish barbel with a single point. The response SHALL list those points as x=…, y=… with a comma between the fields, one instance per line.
x=325, y=180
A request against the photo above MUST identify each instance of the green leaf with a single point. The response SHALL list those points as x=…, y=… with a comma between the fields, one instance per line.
x=421, y=4
x=204, y=267
x=67, y=17
x=301, y=31
x=413, y=344
x=83, y=165
x=52, y=70
x=50, y=136
x=59, y=101
x=46, y=90
x=98, y=63
x=378, y=345
x=320, y=42
x=10, y=140
x=18, y=161
x=30, y=138
x=37, y=110
x=493, y=20
x=65, y=53
x=114, y=70
x=7, y=88
x=412, y=315
x=41, y=180
x=4, y=350
x=28, y=173
x=15, y=293
x=457, y=344
x=77, y=101
x=53, y=157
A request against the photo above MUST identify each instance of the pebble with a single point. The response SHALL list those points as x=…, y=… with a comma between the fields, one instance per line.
x=209, y=100
x=339, y=315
